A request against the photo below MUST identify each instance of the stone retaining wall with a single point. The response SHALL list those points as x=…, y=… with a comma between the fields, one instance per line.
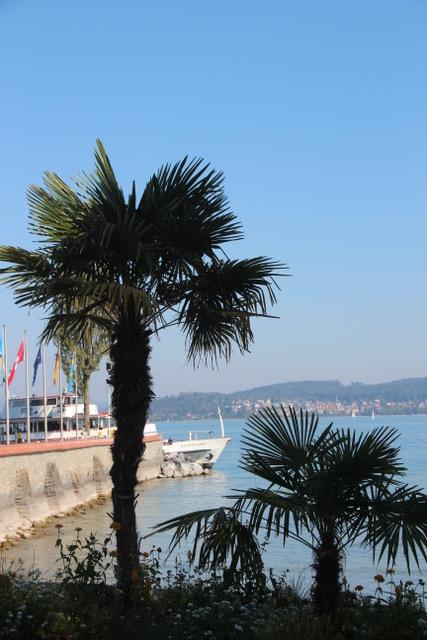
x=35, y=486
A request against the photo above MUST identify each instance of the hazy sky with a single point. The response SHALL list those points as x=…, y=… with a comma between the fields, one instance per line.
x=315, y=111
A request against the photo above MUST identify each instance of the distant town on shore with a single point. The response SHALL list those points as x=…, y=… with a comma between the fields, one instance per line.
x=325, y=397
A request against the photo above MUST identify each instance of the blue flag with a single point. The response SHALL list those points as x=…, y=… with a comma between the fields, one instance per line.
x=36, y=364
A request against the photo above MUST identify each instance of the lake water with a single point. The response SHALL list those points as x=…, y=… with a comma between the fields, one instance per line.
x=163, y=499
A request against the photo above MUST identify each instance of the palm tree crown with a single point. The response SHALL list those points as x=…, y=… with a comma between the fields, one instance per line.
x=159, y=259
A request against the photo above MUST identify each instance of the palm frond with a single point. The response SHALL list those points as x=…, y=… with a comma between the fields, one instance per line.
x=57, y=212
x=102, y=188
x=26, y=273
x=220, y=539
x=284, y=440
x=367, y=457
x=220, y=301
x=187, y=206
x=279, y=513
x=187, y=220
x=397, y=519
x=75, y=326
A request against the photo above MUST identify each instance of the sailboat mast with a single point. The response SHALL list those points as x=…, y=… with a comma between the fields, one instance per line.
x=221, y=422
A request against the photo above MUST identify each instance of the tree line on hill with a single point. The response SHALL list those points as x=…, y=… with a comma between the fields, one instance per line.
x=205, y=404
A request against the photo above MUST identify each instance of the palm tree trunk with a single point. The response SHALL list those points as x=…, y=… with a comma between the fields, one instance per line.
x=131, y=381
x=86, y=412
x=327, y=565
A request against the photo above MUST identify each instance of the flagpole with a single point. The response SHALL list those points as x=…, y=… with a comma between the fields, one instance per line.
x=76, y=395
x=27, y=385
x=109, y=410
x=61, y=414
x=44, y=391
x=6, y=384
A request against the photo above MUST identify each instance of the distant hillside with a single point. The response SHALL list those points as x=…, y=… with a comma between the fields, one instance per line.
x=409, y=389
x=204, y=405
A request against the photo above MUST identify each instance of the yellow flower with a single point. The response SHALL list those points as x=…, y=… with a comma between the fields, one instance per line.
x=390, y=572
x=116, y=526
x=359, y=587
x=397, y=591
x=59, y=526
x=379, y=578
x=146, y=554
x=78, y=529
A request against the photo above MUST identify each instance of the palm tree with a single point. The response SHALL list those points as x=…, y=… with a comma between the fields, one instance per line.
x=327, y=490
x=133, y=267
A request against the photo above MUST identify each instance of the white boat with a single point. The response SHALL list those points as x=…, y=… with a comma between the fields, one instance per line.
x=204, y=450
x=101, y=423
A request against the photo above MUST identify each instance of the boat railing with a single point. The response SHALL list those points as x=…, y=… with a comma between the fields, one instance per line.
x=194, y=435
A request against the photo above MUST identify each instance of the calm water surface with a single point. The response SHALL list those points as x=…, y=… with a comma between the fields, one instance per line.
x=163, y=499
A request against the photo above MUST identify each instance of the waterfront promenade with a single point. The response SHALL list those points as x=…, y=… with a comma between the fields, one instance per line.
x=26, y=448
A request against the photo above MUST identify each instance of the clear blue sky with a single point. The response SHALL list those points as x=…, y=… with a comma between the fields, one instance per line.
x=315, y=111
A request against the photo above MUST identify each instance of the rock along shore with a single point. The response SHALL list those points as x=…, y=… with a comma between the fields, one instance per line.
x=176, y=465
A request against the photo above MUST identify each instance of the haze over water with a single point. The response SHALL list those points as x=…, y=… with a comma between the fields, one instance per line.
x=163, y=499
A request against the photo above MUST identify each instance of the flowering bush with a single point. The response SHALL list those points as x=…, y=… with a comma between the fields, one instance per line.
x=185, y=604
x=85, y=560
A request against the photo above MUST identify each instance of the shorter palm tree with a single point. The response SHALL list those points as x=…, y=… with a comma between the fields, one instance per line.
x=327, y=490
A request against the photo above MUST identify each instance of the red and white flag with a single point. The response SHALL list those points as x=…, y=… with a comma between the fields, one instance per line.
x=19, y=358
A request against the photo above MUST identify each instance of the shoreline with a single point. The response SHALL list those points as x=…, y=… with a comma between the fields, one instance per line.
x=190, y=419
x=38, y=528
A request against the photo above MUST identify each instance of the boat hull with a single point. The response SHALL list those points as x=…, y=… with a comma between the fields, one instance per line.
x=205, y=452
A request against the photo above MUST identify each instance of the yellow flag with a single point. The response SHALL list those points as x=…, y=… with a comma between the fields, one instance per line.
x=55, y=375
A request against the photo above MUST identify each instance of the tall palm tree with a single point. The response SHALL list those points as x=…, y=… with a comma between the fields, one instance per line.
x=134, y=267
x=327, y=490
